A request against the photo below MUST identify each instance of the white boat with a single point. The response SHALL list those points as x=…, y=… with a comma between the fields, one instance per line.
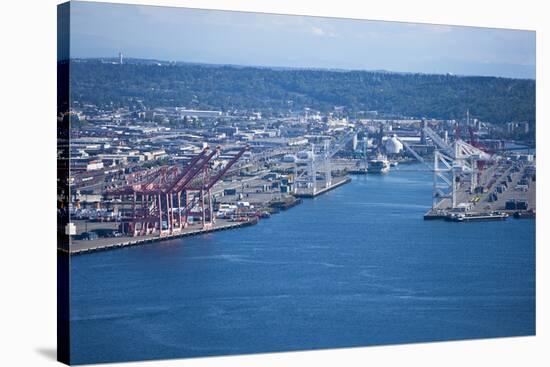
x=380, y=164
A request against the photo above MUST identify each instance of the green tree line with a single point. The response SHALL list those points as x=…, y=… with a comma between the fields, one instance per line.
x=272, y=91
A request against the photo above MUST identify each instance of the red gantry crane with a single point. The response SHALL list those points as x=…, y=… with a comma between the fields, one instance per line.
x=164, y=199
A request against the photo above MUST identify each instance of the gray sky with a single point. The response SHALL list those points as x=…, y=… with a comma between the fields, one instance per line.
x=222, y=37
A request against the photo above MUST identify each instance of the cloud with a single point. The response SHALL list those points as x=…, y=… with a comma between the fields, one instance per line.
x=318, y=31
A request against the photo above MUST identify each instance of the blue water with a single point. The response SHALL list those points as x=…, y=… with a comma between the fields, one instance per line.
x=357, y=266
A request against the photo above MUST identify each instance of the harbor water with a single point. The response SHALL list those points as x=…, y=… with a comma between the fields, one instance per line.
x=357, y=266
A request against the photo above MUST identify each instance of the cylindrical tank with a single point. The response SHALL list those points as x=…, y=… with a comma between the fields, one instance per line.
x=393, y=145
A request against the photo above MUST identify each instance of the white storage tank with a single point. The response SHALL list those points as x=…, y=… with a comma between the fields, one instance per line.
x=393, y=145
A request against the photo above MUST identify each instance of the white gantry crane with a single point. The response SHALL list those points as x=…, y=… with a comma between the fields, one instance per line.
x=319, y=164
x=451, y=161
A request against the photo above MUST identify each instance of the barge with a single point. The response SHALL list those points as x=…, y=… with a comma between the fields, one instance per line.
x=466, y=217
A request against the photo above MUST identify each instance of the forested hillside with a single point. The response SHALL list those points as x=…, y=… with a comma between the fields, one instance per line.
x=274, y=90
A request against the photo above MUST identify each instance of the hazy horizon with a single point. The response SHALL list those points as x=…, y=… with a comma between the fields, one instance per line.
x=173, y=34
x=273, y=67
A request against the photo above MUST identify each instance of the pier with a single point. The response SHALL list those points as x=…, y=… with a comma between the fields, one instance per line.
x=337, y=182
x=109, y=243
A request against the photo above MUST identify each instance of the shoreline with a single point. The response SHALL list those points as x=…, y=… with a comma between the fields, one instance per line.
x=142, y=240
x=82, y=247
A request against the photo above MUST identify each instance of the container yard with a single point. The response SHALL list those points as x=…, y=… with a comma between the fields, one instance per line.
x=183, y=184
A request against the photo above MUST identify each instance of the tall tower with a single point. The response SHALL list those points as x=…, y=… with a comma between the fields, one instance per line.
x=423, y=132
x=120, y=58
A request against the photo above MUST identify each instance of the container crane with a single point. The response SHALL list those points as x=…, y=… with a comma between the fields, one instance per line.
x=156, y=200
x=320, y=162
x=451, y=161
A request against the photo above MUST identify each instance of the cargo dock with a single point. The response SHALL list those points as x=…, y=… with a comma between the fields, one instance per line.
x=172, y=201
x=339, y=181
x=507, y=188
x=85, y=246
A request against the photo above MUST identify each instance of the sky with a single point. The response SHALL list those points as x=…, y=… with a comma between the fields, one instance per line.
x=223, y=37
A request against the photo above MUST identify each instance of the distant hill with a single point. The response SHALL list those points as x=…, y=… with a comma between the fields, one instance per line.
x=271, y=90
